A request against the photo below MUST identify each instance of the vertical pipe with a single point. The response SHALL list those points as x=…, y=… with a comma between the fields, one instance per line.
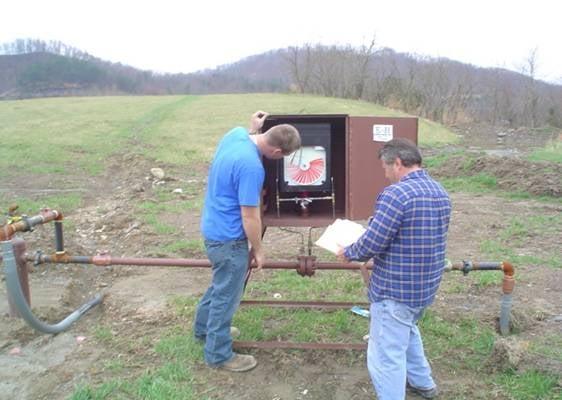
x=59, y=239
x=21, y=262
x=507, y=297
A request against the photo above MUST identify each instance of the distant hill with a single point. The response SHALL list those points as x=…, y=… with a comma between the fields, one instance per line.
x=442, y=90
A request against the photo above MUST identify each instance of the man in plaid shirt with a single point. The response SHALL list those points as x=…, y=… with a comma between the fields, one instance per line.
x=406, y=238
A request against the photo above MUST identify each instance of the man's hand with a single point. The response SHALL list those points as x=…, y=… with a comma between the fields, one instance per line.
x=340, y=254
x=257, y=120
x=258, y=257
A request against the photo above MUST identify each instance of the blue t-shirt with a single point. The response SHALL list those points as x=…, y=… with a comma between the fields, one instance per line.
x=235, y=179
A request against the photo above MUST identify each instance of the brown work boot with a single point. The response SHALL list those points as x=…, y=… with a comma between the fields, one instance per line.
x=239, y=363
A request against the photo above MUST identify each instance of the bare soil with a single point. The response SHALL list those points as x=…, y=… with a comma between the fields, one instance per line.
x=137, y=298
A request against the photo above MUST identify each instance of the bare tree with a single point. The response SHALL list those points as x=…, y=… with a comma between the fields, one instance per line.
x=300, y=64
x=531, y=97
x=364, y=56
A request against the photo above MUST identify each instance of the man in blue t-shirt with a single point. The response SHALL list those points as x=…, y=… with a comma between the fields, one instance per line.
x=232, y=218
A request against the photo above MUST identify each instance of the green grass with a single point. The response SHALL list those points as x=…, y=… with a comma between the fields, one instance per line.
x=462, y=345
x=182, y=142
x=184, y=245
x=440, y=159
x=517, y=232
x=102, y=392
x=266, y=324
x=551, y=152
x=480, y=183
x=74, y=137
x=171, y=381
x=483, y=183
x=531, y=385
x=64, y=203
x=548, y=346
x=488, y=278
x=170, y=376
x=465, y=340
x=325, y=285
x=77, y=135
x=103, y=333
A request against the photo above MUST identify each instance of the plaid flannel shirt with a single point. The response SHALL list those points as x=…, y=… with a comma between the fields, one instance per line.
x=406, y=238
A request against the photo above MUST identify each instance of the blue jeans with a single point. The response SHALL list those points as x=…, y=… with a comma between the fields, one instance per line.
x=395, y=352
x=216, y=308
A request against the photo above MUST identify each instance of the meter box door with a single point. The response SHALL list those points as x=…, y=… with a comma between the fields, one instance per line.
x=365, y=176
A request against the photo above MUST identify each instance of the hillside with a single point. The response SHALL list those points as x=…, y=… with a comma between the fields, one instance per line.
x=442, y=90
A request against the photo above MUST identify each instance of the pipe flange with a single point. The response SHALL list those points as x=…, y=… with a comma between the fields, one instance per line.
x=310, y=265
x=37, y=259
x=466, y=267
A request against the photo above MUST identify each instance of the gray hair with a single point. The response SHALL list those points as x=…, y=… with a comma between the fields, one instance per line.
x=401, y=148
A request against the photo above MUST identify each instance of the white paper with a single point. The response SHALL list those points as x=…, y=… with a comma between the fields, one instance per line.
x=382, y=133
x=341, y=233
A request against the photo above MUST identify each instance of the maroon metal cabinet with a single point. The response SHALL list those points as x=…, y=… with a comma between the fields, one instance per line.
x=336, y=174
x=365, y=175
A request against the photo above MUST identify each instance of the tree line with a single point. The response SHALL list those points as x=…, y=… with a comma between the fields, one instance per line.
x=439, y=89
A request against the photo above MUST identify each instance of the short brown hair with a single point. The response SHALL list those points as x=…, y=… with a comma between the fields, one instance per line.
x=284, y=136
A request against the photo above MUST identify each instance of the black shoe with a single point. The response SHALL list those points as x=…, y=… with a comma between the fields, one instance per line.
x=425, y=393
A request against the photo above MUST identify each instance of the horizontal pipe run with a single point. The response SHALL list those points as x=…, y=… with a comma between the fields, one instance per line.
x=302, y=304
x=106, y=260
x=237, y=344
x=467, y=266
x=27, y=223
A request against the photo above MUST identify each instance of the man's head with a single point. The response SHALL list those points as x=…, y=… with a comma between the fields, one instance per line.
x=279, y=141
x=399, y=157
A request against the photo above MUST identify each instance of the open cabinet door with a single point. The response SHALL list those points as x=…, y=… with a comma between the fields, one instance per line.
x=365, y=176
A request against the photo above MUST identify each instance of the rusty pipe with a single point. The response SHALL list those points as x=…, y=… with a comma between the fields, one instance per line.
x=507, y=297
x=508, y=285
x=27, y=223
x=106, y=260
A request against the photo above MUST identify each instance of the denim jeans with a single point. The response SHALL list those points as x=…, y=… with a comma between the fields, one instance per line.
x=395, y=351
x=216, y=308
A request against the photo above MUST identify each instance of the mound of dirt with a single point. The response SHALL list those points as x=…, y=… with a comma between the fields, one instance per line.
x=512, y=174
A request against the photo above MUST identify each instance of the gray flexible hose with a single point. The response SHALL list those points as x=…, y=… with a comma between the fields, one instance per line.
x=16, y=294
x=505, y=313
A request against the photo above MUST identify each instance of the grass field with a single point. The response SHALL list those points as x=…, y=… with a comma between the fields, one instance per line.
x=54, y=139
x=61, y=134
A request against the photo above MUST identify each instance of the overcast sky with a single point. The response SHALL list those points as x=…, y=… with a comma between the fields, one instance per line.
x=185, y=36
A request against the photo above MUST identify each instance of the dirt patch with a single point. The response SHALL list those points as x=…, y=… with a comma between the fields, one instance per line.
x=512, y=174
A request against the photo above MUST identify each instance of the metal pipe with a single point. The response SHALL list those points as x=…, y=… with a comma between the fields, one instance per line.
x=465, y=267
x=16, y=294
x=303, y=346
x=332, y=305
x=508, y=285
x=59, y=239
x=507, y=298
x=106, y=260
x=27, y=223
